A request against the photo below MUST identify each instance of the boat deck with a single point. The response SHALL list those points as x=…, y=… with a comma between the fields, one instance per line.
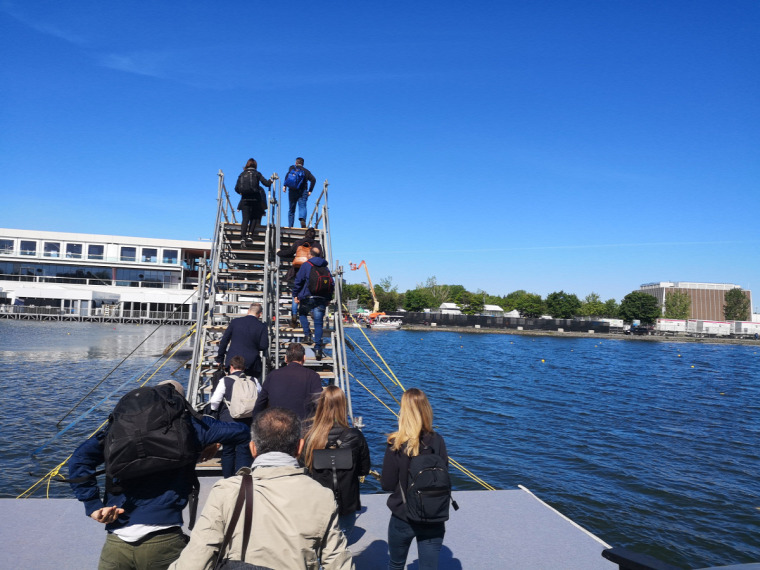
x=492, y=529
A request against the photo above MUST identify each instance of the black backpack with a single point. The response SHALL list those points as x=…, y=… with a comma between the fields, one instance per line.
x=248, y=185
x=321, y=283
x=150, y=431
x=428, y=490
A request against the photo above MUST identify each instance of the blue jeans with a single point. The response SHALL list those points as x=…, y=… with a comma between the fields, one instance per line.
x=316, y=306
x=298, y=197
x=234, y=457
x=429, y=541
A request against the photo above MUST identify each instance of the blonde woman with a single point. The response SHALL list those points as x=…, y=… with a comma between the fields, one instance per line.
x=415, y=436
x=330, y=430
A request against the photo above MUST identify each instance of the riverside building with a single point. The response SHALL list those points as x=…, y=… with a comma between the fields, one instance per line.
x=707, y=299
x=98, y=277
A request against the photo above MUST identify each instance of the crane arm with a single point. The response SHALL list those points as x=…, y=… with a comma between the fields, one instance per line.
x=355, y=267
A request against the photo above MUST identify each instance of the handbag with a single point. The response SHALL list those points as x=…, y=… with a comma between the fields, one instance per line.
x=334, y=458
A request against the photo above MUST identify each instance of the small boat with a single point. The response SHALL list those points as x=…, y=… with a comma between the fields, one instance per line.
x=385, y=322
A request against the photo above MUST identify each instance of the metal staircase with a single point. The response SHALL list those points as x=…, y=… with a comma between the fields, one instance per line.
x=236, y=276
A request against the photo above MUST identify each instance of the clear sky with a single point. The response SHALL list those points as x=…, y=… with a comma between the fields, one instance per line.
x=538, y=145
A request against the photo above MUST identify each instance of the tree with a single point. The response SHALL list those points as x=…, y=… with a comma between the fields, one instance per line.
x=513, y=299
x=592, y=306
x=737, y=306
x=530, y=305
x=455, y=293
x=677, y=305
x=641, y=306
x=561, y=305
x=360, y=292
x=611, y=309
x=418, y=300
x=472, y=303
x=440, y=293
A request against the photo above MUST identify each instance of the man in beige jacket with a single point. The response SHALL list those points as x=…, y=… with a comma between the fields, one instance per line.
x=294, y=517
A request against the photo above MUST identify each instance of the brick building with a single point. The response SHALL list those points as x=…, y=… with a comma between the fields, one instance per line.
x=707, y=299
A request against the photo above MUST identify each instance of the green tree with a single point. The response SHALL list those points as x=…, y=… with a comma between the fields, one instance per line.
x=611, y=309
x=737, y=306
x=641, y=306
x=360, y=292
x=592, y=306
x=440, y=293
x=511, y=301
x=472, y=303
x=455, y=293
x=677, y=305
x=530, y=305
x=561, y=305
x=418, y=300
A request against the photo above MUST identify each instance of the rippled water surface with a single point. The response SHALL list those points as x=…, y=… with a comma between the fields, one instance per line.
x=653, y=446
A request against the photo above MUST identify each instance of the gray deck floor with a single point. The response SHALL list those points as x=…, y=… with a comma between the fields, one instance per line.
x=492, y=529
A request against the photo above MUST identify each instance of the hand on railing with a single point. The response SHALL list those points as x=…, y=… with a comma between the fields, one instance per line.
x=274, y=176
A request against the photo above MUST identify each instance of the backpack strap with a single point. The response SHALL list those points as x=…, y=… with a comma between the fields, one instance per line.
x=245, y=496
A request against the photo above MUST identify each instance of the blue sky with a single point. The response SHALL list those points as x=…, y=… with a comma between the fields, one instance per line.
x=584, y=146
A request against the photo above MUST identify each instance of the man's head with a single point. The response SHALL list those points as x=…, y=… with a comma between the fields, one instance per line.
x=237, y=363
x=299, y=161
x=315, y=252
x=177, y=386
x=255, y=309
x=276, y=429
x=295, y=353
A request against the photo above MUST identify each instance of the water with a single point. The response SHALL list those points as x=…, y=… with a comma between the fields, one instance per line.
x=625, y=438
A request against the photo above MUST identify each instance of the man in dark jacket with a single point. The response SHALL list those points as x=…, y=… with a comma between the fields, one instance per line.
x=143, y=517
x=309, y=240
x=246, y=337
x=293, y=387
x=311, y=301
x=299, y=196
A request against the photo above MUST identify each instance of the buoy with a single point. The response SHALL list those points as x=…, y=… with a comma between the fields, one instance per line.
x=542, y=360
x=722, y=393
x=692, y=366
x=679, y=356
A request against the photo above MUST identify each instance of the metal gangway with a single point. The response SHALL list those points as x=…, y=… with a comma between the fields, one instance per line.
x=234, y=277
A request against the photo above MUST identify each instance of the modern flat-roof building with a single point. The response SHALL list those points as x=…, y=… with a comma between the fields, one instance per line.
x=707, y=299
x=87, y=274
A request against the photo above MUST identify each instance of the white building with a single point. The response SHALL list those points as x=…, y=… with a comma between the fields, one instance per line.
x=450, y=309
x=86, y=274
x=493, y=311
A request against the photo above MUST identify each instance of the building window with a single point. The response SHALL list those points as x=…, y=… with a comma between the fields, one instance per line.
x=28, y=247
x=170, y=256
x=52, y=249
x=149, y=255
x=95, y=251
x=128, y=254
x=74, y=250
x=6, y=247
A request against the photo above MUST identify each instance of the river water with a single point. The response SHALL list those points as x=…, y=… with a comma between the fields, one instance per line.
x=648, y=445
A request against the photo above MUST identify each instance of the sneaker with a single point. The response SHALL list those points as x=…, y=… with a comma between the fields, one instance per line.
x=318, y=354
x=242, y=244
x=294, y=321
x=308, y=340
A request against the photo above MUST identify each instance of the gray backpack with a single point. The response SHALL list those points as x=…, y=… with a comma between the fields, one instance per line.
x=245, y=392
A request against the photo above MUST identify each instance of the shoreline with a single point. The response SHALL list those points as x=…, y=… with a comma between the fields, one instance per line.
x=606, y=336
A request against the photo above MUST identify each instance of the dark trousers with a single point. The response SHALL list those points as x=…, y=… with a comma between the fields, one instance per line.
x=251, y=217
x=429, y=541
x=234, y=457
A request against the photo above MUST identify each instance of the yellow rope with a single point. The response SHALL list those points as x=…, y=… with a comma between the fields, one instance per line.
x=398, y=382
x=455, y=463
x=56, y=470
x=393, y=381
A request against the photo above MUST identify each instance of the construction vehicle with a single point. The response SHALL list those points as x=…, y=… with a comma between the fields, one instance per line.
x=354, y=267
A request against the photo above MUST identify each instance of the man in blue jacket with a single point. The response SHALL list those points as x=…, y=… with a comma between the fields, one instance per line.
x=313, y=287
x=246, y=337
x=144, y=518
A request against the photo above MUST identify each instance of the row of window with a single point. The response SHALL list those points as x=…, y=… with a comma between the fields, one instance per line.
x=20, y=271
x=94, y=251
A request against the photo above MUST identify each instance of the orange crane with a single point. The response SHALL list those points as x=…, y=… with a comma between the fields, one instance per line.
x=354, y=267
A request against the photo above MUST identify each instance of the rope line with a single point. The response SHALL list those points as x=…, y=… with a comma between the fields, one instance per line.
x=55, y=472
